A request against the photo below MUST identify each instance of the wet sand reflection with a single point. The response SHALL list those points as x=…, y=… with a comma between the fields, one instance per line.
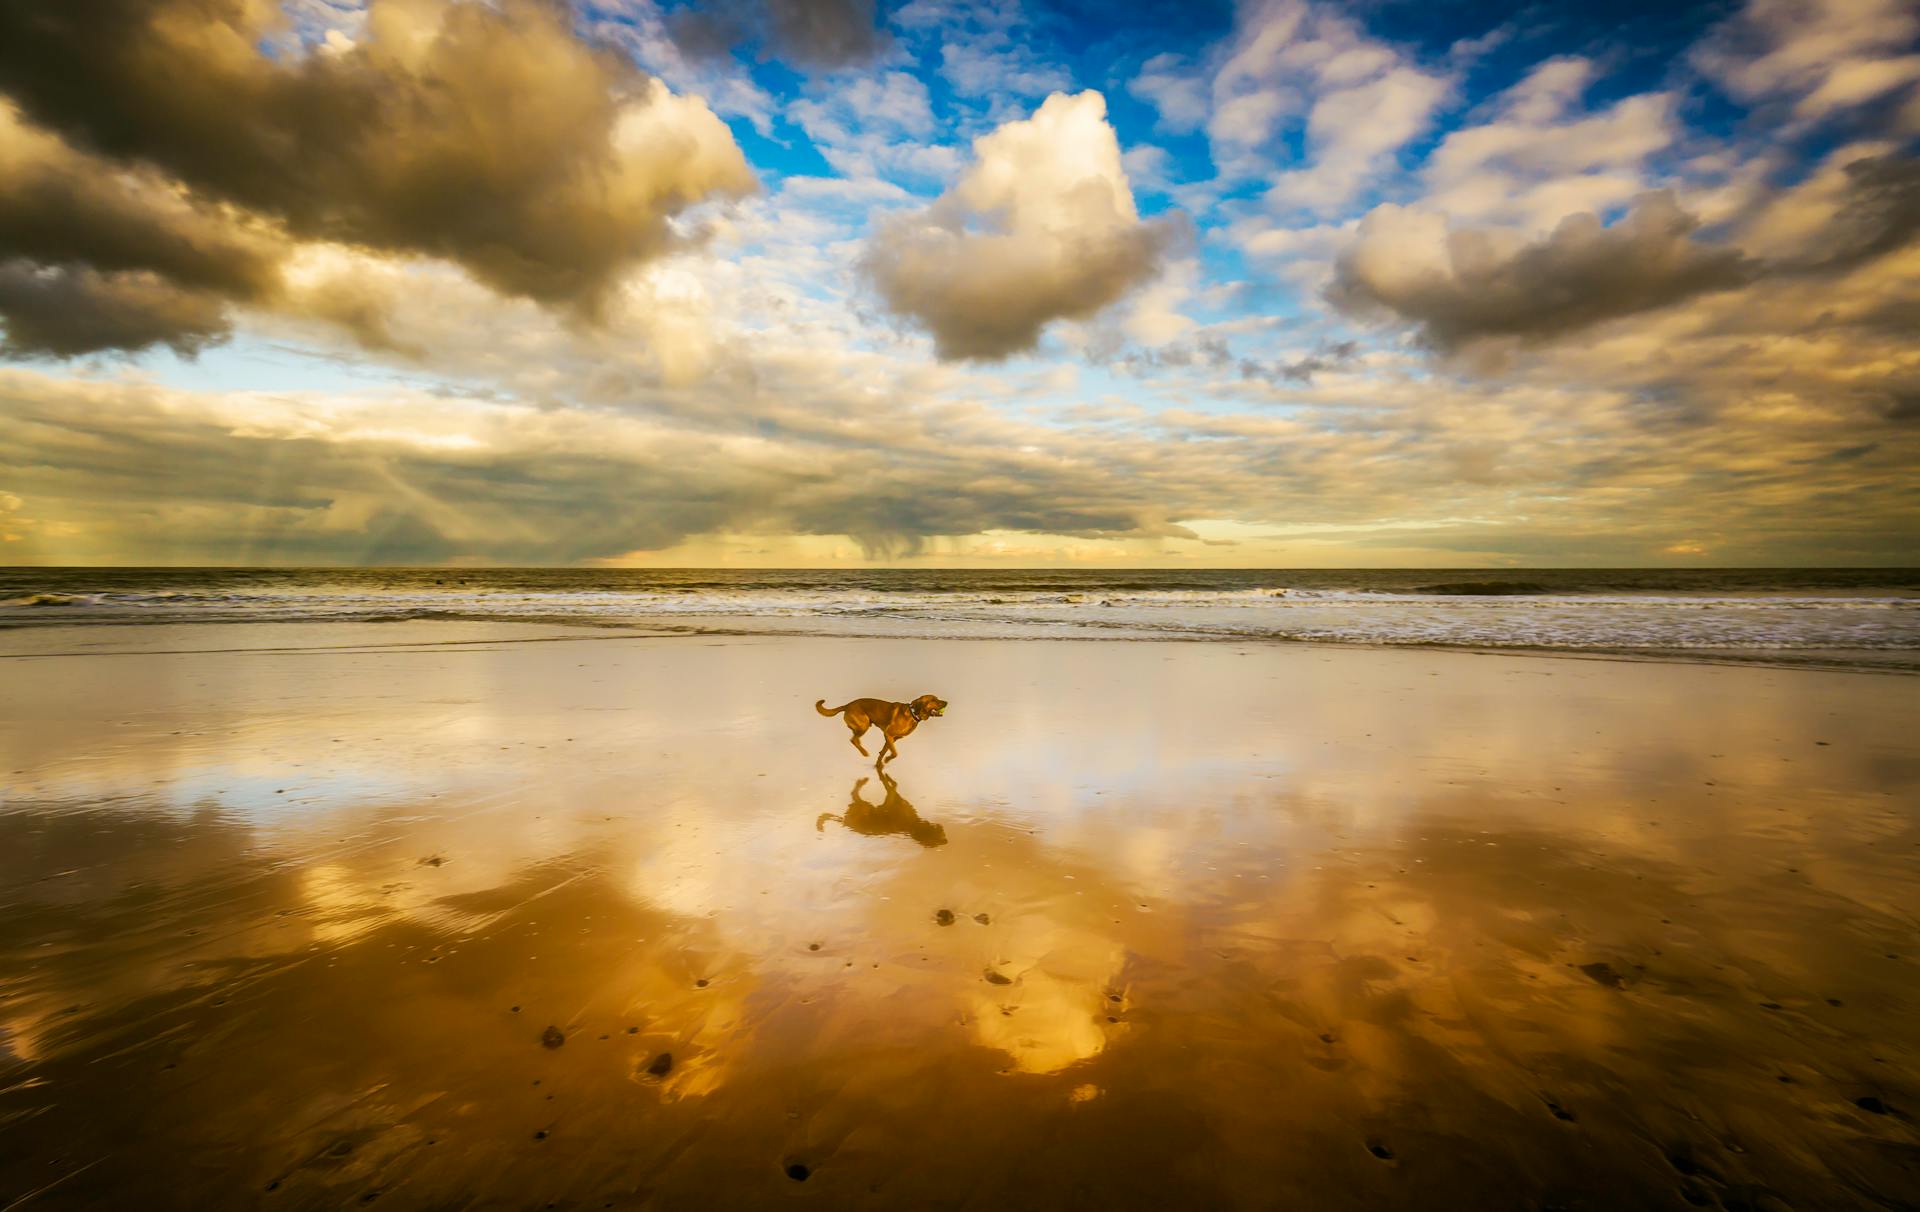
x=1221, y=980
x=892, y=815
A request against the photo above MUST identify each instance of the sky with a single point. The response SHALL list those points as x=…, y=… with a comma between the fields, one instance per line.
x=814, y=282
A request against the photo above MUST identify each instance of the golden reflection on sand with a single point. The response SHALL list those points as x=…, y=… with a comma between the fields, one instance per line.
x=1054, y=1013
x=510, y=925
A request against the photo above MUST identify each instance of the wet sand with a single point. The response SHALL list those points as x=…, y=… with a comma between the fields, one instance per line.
x=551, y=918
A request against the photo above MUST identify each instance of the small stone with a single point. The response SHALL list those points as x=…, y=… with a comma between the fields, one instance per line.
x=944, y=917
x=552, y=1037
x=983, y=919
x=661, y=1066
x=995, y=978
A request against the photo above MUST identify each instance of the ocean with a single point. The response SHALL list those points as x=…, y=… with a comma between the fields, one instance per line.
x=1815, y=615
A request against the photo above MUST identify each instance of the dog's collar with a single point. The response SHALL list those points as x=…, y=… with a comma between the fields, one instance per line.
x=914, y=710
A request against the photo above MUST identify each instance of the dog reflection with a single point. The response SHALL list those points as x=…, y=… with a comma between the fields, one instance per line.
x=890, y=816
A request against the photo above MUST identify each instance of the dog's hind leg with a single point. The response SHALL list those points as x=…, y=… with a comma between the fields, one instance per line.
x=855, y=738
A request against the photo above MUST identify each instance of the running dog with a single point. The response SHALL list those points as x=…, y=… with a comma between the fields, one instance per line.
x=894, y=720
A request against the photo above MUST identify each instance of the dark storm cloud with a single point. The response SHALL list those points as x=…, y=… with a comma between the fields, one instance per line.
x=57, y=206
x=65, y=311
x=826, y=34
x=484, y=134
x=1580, y=275
x=96, y=257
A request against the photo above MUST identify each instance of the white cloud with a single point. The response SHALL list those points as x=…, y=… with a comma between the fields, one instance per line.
x=1360, y=101
x=1353, y=132
x=1042, y=227
x=1168, y=84
x=876, y=126
x=1004, y=72
x=1821, y=56
x=1539, y=157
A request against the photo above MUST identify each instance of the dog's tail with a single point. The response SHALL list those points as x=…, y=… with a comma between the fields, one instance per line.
x=820, y=705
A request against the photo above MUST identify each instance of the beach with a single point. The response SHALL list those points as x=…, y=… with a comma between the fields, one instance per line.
x=493, y=914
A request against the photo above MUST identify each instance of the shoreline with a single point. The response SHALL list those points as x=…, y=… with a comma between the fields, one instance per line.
x=1898, y=662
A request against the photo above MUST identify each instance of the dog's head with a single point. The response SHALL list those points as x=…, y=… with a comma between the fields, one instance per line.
x=927, y=705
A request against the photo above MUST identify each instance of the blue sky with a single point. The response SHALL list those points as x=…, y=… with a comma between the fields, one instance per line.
x=820, y=281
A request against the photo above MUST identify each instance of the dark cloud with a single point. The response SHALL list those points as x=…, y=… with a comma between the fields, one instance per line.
x=1301, y=370
x=62, y=312
x=487, y=134
x=1580, y=275
x=93, y=256
x=1207, y=351
x=709, y=32
x=57, y=207
x=103, y=471
x=1881, y=213
x=989, y=296
x=1902, y=407
x=825, y=34
x=1211, y=352
x=153, y=471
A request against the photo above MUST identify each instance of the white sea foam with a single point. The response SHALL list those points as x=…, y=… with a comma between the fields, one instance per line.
x=1496, y=615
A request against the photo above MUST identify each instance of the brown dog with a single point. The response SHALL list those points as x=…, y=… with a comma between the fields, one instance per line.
x=894, y=720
